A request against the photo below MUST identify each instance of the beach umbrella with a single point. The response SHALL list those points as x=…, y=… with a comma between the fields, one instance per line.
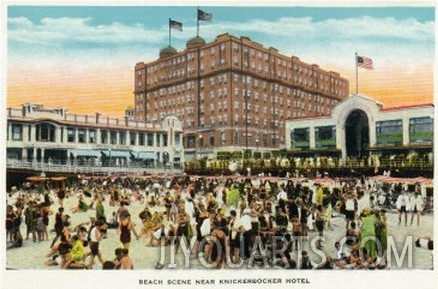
x=36, y=179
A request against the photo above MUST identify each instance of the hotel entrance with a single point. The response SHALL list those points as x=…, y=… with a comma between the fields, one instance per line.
x=357, y=133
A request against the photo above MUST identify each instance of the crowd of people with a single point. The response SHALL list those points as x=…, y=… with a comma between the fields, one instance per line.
x=230, y=219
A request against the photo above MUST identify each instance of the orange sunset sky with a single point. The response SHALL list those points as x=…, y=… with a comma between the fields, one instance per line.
x=110, y=90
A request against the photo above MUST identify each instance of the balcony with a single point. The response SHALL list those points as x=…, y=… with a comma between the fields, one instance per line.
x=90, y=168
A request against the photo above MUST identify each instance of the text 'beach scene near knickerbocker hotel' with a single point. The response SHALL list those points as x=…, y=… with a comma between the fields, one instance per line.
x=280, y=138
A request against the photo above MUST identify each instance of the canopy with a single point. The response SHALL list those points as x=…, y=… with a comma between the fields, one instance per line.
x=146, y=155
x=116, y=153
x=86, y=153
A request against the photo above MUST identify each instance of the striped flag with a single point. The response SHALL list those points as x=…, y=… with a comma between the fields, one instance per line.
x=364, y=62
x=175, y=25
x=204, y=16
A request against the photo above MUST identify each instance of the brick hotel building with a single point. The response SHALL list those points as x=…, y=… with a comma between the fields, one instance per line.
x=232, y=93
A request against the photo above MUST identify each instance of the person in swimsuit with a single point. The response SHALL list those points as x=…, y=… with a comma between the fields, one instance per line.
x=60, y=218
x=125, y=227
x=217, y=252
x=65, y=246
x=319, y=224
x=96, y=234
x=10, y=215
x=125, y=262
x=183, y=221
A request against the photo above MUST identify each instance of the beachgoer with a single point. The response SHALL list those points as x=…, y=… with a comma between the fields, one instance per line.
x=350, y=208
x=183, y=223
x=125, y=262
x=77, y=251
x=368, y=232
x=60, y=218
x=217, y=250
x=319, y=224
x=65, y=245
x=305, y=261
x=403, y=206
x=424, y=242
x=126, y=226
x=96, y=235
x=10, y=215
x=416, y=207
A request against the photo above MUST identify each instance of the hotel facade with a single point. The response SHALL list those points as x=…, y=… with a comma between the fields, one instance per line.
x=232, y=93
x=53, y=137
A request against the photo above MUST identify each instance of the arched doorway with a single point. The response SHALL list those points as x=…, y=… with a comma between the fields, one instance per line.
x=357, y=133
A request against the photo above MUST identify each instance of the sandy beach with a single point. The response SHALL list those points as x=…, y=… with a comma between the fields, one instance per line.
x=32, y=254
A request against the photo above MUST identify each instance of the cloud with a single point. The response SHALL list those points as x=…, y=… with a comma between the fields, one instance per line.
x=330, y=42
x=67, y=31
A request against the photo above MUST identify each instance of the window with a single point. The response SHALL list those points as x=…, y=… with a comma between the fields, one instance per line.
x=177, y=139
x=300, y=138
x=92, y=136
x=113, y=135
x=236, y=137
x=420, y=129
x=150, y=139
x=132, y=138
x=325, y=136
x=191, y=141
x=103, y=136
x=45, y=132
x=141, y=138
x=17, y=132
x=71, y=134
x=81, y=135
x=389, y=132
x=165, y=138
x=122, y=136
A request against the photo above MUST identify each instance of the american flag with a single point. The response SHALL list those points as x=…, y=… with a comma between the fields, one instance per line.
x=204, y=16
x=175, y=25
x=364, y=62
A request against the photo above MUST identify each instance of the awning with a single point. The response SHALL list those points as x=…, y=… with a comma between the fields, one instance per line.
x=116, y=154
x=146, y=155
x=86, y=153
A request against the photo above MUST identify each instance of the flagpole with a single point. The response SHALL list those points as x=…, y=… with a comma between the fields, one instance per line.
x=197, y=21
x=170, y=32
x=357, y=77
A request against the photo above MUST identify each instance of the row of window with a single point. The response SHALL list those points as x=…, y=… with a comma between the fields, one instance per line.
x=387, y=132
x=47, y=132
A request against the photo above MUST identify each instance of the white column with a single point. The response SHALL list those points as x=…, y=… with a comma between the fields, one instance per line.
x=405, y=123
x=312, y=137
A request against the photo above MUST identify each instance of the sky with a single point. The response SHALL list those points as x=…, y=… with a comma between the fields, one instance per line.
x=83, y=57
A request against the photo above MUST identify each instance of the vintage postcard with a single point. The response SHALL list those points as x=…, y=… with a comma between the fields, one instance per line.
x=218, y=144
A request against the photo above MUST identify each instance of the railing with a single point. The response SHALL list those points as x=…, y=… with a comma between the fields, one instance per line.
x=90, y=169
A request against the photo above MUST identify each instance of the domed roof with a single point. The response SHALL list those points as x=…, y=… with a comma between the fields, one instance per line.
x=195, y=42
x=167, y=51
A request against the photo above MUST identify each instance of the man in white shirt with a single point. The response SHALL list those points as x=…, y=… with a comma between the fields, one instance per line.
x=245, y=222
x=403, y=206
x=416, y=207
